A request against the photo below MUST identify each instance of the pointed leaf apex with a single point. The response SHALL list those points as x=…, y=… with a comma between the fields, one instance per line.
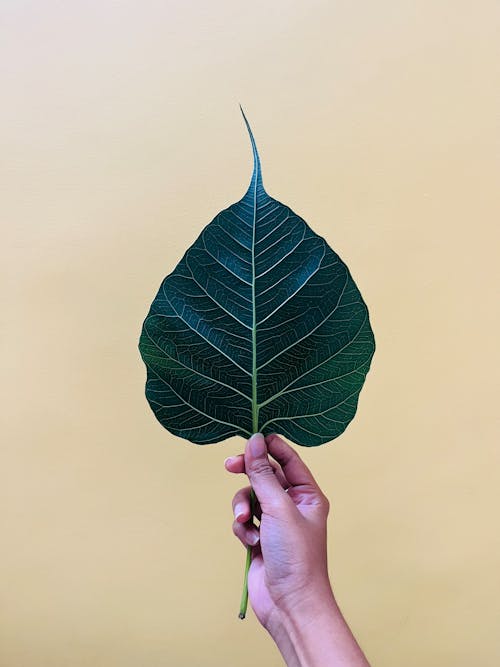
x=257, y=172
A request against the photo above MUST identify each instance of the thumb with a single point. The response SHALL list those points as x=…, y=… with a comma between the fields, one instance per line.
x=261, y=475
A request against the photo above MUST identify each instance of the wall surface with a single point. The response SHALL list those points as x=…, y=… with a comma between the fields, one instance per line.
x=121, y=138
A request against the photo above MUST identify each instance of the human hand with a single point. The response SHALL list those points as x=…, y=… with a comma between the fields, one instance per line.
x=289, y=561
x=288, y=583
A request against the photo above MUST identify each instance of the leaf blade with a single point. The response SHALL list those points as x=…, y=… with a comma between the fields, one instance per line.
x=259, y=327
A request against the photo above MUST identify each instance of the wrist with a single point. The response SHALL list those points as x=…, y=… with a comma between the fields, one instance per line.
x=314, y=634
x=304, y=603
x=292, y=619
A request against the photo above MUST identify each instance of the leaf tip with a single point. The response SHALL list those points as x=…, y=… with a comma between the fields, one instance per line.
x=257, y=172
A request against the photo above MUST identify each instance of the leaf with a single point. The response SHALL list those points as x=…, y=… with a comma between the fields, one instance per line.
x=260, y=327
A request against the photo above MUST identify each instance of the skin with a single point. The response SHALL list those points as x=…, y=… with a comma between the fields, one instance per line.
x=288, y=584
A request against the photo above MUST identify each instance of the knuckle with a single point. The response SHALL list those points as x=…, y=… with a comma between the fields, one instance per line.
x=324, y=503
x=261, y=467
x=240, y=496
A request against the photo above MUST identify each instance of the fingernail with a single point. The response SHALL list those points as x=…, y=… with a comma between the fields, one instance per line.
x=258, y=445
x=253, y=539
x=229, y=458
x=239, y=511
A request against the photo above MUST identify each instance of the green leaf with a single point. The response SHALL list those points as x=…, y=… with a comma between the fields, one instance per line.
x=260, y=327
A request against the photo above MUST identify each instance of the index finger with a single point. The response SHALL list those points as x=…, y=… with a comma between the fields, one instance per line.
x=294, y=469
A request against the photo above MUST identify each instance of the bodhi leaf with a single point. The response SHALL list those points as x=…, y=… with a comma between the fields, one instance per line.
x=260, y=327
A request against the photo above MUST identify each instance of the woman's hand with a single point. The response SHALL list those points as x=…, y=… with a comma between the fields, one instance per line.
x=288, y=582
x=289, y=565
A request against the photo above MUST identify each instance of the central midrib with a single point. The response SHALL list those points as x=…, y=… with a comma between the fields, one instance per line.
x=255, y=407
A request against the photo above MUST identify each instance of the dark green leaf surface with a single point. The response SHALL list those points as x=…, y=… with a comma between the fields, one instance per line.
x=260, y=327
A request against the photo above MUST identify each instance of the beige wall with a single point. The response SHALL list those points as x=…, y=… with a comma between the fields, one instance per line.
x=122, y=138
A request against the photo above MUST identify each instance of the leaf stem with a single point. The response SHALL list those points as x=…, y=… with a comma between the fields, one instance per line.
x=244, y=594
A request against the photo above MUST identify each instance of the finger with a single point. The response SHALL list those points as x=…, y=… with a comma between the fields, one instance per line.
x=242, y=506
x=236, y=464
x=246, y=533
x=268, y=489
x=294, y=469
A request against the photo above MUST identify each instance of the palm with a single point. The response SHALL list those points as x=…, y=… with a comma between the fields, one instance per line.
x=258, y=592
x=270, y=572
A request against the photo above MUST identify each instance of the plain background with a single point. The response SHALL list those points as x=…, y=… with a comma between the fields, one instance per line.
x=121, y=138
